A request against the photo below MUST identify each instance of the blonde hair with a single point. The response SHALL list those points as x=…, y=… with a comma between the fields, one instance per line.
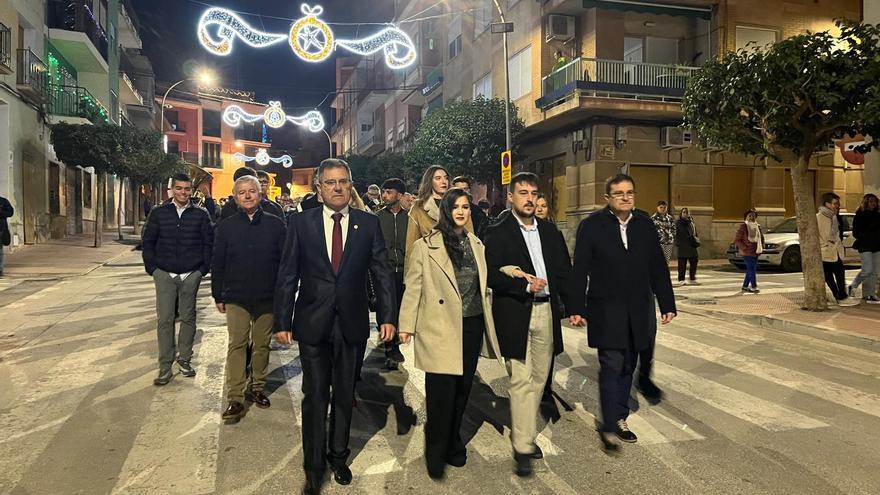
x=356, y=201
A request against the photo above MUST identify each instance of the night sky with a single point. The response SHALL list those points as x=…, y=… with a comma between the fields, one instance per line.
x=168, y=32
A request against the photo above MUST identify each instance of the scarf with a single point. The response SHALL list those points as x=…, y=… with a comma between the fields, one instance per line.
x=835, y=227
x=755, y=235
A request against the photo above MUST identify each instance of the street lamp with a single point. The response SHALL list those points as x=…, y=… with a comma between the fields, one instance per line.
x=504, y=27
x=204, y=77
x=329, y=141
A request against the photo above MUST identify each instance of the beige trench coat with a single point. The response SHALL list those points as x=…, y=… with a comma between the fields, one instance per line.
x=432, y=309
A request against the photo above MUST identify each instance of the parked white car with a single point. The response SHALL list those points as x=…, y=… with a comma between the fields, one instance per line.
x=782, y=248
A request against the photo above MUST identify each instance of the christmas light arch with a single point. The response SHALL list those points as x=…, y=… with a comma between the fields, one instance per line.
x=310, y=38
x=273, y=117
x=262, y=158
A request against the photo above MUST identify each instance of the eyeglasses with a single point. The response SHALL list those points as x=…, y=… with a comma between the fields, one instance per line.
x=332, y=183
x=622, y=194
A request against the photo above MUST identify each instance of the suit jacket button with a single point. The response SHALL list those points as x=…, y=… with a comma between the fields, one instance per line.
x=441, y=301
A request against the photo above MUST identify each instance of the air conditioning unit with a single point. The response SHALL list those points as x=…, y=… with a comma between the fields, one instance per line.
x=560, y=27
x=675, y=137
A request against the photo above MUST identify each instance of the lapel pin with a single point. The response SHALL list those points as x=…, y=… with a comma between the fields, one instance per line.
x=355, y=226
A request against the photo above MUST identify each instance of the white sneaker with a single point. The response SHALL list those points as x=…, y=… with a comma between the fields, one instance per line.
x=872, y=300
x=682, y=283
x=848, y=302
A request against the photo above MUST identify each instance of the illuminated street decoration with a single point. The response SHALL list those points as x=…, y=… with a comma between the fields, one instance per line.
x=262, y=158
x=274, y=117
x=310, y=38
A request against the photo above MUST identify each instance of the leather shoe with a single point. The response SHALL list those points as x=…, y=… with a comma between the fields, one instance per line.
x=233, y=412
x=652, y=393
x=341, y=473
x=523, y=466
x=538, y=453
x=609, y=440
x=457, y=460
x=260, y=400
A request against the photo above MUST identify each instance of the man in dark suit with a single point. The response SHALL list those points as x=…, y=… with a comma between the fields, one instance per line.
x=327, y=254
x=619, y=268
x=527, y=310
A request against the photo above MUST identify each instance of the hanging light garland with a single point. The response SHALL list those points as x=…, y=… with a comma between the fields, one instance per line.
x=310, y=38
x=262, y=158
x=273, y=117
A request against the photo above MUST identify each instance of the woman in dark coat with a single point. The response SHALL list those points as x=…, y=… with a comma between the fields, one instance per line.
x=866, y=230
x=687, y=244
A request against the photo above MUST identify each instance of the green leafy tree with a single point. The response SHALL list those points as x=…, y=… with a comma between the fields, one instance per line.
x=467, y=137
x=786, y=103
x=368, y=170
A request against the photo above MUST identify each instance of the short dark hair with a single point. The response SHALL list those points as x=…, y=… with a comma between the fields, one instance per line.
x=462, y=178
x=180, y=178
x=829, y=197
x=617, y=179
x=242, y=171
x=396, y=184
x=662, y=203
x=328, y=163
x=522, y=178
x=262, y=174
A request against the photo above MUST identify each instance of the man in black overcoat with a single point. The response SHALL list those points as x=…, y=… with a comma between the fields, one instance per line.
x=619, y=267
x=327, y=254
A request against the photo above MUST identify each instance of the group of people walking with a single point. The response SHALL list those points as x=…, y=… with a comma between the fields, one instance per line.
x=441, y=276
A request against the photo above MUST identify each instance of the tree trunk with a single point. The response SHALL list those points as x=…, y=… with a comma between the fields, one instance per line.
x=136, y=207
x=119, y=217
x=808, y=236
x=99, y=211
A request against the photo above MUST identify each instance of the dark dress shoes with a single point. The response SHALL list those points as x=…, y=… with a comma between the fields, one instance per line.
x=457, y=460
x=609, y=440
x=523, y=467
x=341, y=473
x=538, y=453
x=649, y=390
x=623, y=432
x=260, y=400
x=233, y=412
x=163, y=378
x=314, y=482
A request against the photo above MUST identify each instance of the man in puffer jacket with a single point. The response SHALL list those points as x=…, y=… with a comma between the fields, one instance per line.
x=177, y=243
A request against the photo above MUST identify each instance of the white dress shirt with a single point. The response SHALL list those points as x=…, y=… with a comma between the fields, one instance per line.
x=623, y=226
x=533, y=244
x=328, y=228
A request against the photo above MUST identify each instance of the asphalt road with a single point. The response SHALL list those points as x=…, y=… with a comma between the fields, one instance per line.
x=747, y=410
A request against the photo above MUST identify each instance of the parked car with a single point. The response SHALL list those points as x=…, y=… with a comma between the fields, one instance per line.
x=782, y=248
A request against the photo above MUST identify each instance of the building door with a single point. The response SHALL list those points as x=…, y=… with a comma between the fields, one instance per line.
x=788, y=194
x=652, y=185
x=35, y=193
x=71, y=196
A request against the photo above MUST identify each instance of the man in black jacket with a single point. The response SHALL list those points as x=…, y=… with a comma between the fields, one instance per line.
x=393, y=220
x=327, y=254
x=527, y=310
x=247, y=252
x=619, y=268
x=177, y=243
x=6, y=211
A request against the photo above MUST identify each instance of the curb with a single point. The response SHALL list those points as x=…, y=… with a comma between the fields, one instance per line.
x=780, y=324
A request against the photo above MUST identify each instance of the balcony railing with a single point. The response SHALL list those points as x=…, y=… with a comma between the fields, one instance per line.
x=5, y=49
x=615, y=78
x=32, y=75
x=75, y=101
x=127, y=81
x=76, y=15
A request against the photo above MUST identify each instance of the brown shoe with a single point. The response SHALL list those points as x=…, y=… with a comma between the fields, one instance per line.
x=260, y=400
x=233, y=412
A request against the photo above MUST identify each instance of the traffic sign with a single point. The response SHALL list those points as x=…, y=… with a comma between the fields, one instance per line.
x=506, y=167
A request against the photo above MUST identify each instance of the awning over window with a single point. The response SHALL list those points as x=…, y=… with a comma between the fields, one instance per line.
x=651, y=8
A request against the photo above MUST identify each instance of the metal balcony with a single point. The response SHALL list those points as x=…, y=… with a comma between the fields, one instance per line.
x=32, y=76
x=5, y=50
x=614, y=79
x=75, y=101
x=76, y=16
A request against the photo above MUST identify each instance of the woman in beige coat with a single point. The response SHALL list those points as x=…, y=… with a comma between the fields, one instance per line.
x=447, y=312
x=425, y=212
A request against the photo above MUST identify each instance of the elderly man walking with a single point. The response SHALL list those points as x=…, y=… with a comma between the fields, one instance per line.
x=177, y=243
x=247, y=252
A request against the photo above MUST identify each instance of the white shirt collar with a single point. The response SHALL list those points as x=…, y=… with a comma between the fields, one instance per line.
x=533, y=226
x=329, y=211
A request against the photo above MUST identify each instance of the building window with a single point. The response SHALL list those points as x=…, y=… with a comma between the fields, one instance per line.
x=752, y=38
x=483, y=87
x=389, y=139
x=173, y=147
x=732, y=192
x=482, y=17
x=211, y=123
x=520, y=69
x=173, y=119
x=211, y=155
x=454, y=36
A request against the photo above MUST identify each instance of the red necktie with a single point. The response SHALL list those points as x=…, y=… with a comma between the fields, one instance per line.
x=336, y=252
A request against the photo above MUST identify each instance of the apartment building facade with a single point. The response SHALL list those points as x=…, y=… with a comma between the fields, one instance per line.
x=615, y=105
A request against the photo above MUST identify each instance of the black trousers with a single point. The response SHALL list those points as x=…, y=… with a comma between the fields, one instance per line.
x=615, y=380
x=835, y=278
x=446, y=397
x=398, y=288
x=332, y=363
x=682, y=266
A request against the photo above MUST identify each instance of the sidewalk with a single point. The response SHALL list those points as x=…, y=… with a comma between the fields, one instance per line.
x=71, y=256
x=783, y=312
